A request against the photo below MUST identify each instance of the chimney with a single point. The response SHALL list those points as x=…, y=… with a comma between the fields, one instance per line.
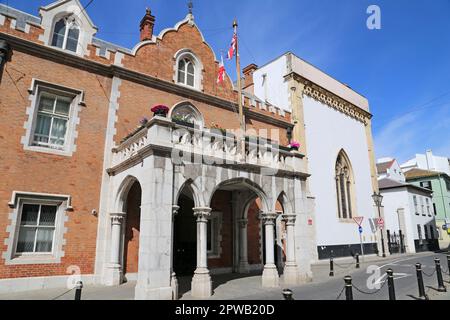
x=146, y=26
x=248, y=77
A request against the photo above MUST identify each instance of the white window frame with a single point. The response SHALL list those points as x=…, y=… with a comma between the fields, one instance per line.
x=77, y=96
x=19, y=198
x=68, y=24
x=198, y=69
x=40, y=203
x=216, y=235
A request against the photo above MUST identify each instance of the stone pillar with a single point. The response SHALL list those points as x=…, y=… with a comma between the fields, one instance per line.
x=114, y=273
x=173, y=278
x=290, y=268
x=243, y=253
x=201, y=282
x=270, y=277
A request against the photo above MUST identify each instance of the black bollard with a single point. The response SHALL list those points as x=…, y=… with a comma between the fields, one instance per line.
x=79, y=286
x=357, y=261
x=390, y=279
x=348, y=288
x=448, y=265
x=331, y=267
x=422, y=294
x=441, y=287
x=287, y=294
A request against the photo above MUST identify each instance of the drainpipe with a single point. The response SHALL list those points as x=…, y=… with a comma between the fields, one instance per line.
x=5, y=55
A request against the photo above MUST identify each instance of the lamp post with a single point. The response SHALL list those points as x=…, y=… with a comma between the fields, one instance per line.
x=378, y=199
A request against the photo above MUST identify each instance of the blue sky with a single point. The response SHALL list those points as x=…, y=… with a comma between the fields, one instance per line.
x=403, y=69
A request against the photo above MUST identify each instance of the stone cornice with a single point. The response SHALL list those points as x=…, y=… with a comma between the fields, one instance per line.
x=332, y=100
x=75, y=61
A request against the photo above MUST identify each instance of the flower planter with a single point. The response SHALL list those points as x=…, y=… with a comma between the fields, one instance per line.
x=160, y=114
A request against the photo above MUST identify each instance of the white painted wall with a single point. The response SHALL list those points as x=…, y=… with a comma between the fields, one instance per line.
x=327, y=132
x=393, y=200
x=277, y=89
x=396, y=173
x=428, y=161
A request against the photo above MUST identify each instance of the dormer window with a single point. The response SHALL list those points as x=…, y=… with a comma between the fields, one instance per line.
x=186, y=72
x=66, y=34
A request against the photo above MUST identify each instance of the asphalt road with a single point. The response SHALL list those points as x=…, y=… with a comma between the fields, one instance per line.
x=405, y=281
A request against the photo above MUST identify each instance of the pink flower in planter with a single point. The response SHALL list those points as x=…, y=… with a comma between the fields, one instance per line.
x=160, y=109
x=294, y=144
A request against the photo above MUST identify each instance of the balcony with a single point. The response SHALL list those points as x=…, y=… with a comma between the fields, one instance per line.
x=212, y=147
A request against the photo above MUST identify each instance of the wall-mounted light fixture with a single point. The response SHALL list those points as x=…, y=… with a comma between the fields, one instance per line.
x=5, y=55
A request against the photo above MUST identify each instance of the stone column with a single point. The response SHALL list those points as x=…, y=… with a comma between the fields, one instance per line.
x=173, y=277
x=290, y=268
x=201, y=282
x=243, y=252
x=270, y=277
x=114, y=271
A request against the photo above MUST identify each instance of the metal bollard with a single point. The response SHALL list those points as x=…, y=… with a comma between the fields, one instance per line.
x=287, y=294
x=422, y=294
x=348, y=288
x=448, y=265
x=357, y=261
x=79, y=286
x=331, y=267
x=441, y=287
x=390, y=279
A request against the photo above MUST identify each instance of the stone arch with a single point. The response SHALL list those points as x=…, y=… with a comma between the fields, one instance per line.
x=190, y=185
x=247, y=183
x=286, y=203
x=122, y=193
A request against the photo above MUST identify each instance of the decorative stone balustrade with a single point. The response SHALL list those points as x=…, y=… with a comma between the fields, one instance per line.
x=207, y=146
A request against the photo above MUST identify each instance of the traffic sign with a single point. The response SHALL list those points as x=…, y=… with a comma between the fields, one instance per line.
x=358, y=220
x=360, y=229
x=380, y=223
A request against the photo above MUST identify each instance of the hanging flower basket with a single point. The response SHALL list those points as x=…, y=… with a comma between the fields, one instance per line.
x=160, y=110
x=294, y=145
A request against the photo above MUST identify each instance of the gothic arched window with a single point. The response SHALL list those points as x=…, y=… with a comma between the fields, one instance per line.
x=66, y=34
x=186, y=72
x=187, y=113
x=344, y=187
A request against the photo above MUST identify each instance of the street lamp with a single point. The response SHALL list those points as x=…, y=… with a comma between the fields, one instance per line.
x=378, y=199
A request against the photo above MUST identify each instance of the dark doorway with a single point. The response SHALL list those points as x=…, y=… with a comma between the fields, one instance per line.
x=132, y=229
x=185, y=238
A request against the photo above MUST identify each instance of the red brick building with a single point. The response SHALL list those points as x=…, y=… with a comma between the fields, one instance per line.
x=84, y=192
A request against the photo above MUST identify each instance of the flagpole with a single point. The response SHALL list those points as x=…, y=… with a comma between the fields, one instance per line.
x=241, y=109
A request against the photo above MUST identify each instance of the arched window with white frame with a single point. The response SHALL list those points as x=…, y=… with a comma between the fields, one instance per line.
x=186, y=72
x=188, y=69
x=344, y=187
x=66, y=34
x=186, y=114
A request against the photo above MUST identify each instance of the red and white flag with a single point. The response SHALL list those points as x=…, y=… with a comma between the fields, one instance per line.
x=221, y=76
x=232, y=50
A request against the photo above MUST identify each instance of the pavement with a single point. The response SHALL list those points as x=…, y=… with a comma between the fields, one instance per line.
x=369, y=283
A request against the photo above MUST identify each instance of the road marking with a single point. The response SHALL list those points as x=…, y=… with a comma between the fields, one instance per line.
x=397, y=276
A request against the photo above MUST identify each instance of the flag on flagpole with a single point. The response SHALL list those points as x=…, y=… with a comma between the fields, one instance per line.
x=232, y=50
x=221, y=76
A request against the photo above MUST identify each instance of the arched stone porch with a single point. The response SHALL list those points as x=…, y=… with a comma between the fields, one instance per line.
x=167, y=162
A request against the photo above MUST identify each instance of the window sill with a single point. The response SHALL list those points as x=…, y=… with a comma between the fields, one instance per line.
x=64, y=153
x=33, y=259
x=341, y=220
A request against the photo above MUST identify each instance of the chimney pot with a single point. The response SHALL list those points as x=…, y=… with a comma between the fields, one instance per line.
x=146, y=26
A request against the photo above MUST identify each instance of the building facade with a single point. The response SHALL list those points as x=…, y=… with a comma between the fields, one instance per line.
x=333, y=125
x=408, y=209
x=439, y=184
x=98, y=187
